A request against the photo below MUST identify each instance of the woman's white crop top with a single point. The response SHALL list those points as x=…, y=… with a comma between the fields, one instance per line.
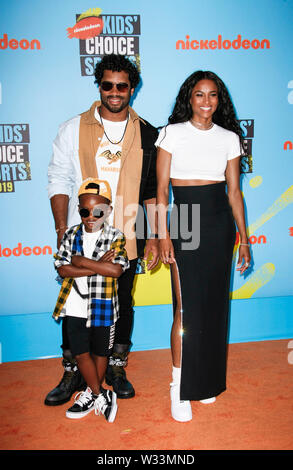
x=198, y=154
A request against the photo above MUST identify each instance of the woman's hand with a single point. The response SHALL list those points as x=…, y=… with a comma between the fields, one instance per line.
x=244, y=257
x=167, y=251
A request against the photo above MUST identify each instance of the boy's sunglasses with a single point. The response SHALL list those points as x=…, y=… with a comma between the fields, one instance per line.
x=107, y=86
x=97, y=213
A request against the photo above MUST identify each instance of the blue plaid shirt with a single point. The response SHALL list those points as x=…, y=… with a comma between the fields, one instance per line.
x=103, y=305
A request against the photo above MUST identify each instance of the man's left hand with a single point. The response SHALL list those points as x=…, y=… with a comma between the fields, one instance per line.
x=152, y=248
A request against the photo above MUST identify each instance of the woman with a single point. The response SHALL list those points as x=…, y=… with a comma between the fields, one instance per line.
x=200, y=151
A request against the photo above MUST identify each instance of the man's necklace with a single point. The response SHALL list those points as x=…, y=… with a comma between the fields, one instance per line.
x=118, y=142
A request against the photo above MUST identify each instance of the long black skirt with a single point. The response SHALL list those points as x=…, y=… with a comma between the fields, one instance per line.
x=203, y=274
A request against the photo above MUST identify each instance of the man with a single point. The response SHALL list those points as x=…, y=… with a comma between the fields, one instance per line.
x=109, y=141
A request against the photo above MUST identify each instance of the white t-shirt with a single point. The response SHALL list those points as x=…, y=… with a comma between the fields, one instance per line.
x=198, y=154
x=108, y=158
x=75, y=305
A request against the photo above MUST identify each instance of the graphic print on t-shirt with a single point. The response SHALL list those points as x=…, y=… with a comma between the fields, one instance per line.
x=111, y=157
x=108, y=158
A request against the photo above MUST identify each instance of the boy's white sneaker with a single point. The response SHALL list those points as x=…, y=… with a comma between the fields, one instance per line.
x=106, y=404
x=180, y=409
x=83, y=404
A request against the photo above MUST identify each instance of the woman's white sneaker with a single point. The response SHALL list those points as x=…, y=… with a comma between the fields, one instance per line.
x=207, y=401
x=180, y=409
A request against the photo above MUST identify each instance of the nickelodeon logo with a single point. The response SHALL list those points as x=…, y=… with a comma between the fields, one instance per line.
x=221, y=43
x=15, y=44
x=288, y=145
x=253, y=239
x=26, y=251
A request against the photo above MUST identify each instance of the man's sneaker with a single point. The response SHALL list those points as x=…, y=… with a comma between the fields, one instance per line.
x=83, y=404
x=106, y=404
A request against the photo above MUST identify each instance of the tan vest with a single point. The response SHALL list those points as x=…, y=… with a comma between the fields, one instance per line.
x=127, y=196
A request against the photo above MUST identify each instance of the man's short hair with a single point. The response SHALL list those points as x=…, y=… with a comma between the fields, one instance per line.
x=117, y=63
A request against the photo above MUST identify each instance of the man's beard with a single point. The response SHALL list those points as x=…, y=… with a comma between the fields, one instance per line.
x=116, y=109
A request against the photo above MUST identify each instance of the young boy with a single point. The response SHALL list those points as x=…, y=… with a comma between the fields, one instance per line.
x=91, y=258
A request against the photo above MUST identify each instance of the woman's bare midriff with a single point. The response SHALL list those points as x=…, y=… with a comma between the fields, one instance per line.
x=181, y=182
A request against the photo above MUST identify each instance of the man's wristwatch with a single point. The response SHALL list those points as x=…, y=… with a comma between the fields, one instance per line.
x=152, y=236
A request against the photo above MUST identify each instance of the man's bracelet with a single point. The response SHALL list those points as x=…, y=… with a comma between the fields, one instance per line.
x=61, y=228
x=152, y=236
x=244, y=244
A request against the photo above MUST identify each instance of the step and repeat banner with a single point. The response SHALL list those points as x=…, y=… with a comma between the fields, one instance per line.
x=48, y=51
